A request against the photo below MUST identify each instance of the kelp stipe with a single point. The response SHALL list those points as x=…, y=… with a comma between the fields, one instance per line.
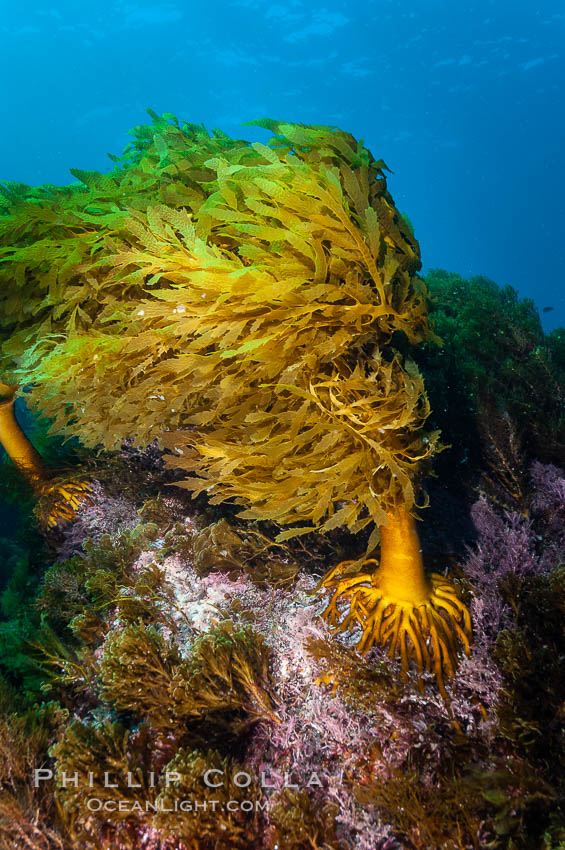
x=60, y=499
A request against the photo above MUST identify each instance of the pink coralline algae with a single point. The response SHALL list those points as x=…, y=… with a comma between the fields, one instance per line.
x=506, y=544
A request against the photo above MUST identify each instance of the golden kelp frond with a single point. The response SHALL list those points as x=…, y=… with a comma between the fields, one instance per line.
x=362, y=179
x=326, y=218
x=47, y=232
x=237, y=291
x=352, y=440
x=206, y=321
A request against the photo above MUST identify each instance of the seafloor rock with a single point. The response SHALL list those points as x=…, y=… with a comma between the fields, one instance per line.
x=165, y=652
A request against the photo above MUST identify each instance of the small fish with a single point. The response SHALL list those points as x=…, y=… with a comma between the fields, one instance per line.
x=547, y=309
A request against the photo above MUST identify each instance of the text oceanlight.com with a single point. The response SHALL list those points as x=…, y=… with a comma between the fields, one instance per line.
x=94, y=804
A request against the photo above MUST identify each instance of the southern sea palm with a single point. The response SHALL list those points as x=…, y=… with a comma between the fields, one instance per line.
x=241, y=302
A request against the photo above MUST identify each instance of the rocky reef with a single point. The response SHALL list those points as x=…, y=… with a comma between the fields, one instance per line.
x=169, y=644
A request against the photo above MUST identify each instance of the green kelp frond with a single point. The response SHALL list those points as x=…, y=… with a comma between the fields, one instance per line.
x=27, y=810
x=212, y=824
x=103, y=578
x=357, y=683
x=144, y=595
x=234, y=300
x=109, y=763
x=136, y=669
x=482, y=324
x=496, y=802
x=228, y=671
x=224, y=682
x=63, y=667
x=24, y=741
x=299, y=823
x=220, y=547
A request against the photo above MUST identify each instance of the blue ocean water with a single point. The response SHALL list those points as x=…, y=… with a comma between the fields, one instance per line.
x=144, y=632
x=463, y=101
